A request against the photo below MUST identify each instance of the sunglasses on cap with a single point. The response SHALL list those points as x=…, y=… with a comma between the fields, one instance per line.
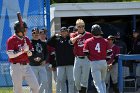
x=35, y=30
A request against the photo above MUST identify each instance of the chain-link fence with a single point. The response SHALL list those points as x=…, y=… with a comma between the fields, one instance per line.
x=33, y=13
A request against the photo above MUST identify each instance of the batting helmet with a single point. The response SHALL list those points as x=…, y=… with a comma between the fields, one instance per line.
x=96, y=30
x=17, y=27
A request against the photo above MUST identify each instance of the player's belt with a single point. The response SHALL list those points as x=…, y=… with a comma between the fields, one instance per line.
x=21, y=63
x=81, y=57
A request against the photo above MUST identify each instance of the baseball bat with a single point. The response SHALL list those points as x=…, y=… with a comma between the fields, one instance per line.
x=21, y=24
x=20, y=19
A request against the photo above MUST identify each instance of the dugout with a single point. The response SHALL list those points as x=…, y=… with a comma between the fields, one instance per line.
x=114, y=17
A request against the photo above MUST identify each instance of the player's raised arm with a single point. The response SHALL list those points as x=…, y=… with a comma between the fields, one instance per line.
x=73, y=39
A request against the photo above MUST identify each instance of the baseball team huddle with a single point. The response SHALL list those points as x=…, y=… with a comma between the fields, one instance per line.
x=68, y=56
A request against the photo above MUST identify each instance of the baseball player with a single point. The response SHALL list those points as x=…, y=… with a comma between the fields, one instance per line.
x=18, y=50
x=64, y=60
x=81, y=64
x=38, y=59
x=96, y=49
x=50, y=63
x=113, y=65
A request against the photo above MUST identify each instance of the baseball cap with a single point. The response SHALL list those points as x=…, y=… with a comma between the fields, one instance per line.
x=35, y=30
x=72, y=29
x=43, y=30
x=63, y=29
x=110, y=37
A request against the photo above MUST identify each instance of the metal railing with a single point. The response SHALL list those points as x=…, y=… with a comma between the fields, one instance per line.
x=120, y=67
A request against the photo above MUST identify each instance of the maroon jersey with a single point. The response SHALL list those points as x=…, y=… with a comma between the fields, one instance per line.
x=79, y=44
x=115, y=53
x=97, y=48
x=16, y=44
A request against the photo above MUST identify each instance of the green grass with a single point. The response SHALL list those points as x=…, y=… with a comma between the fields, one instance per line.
x=6, y=90
x=10, y=90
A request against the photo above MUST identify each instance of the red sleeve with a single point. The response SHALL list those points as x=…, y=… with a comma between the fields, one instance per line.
x=86, y=47
x=10, y=44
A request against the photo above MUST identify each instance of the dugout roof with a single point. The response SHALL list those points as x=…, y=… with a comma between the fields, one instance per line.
x=94, y=9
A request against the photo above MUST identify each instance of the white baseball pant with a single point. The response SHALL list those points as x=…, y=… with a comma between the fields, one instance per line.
x=99, y=71
x=114, y=75
x=18, y=73
x=63, y=73
x=81, y=72
x=49, y=77
x=41, y=74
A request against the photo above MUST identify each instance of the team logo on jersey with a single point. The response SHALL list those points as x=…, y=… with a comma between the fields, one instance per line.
x=20, y=47
x=80, y=42
x=38, y=48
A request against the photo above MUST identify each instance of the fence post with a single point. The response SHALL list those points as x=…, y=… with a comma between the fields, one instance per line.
x=120, y=74
x=48, y=17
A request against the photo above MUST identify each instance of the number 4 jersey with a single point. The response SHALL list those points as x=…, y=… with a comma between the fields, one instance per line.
x=97, y=48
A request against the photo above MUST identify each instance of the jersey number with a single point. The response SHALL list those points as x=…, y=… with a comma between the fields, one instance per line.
x=97, y=47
